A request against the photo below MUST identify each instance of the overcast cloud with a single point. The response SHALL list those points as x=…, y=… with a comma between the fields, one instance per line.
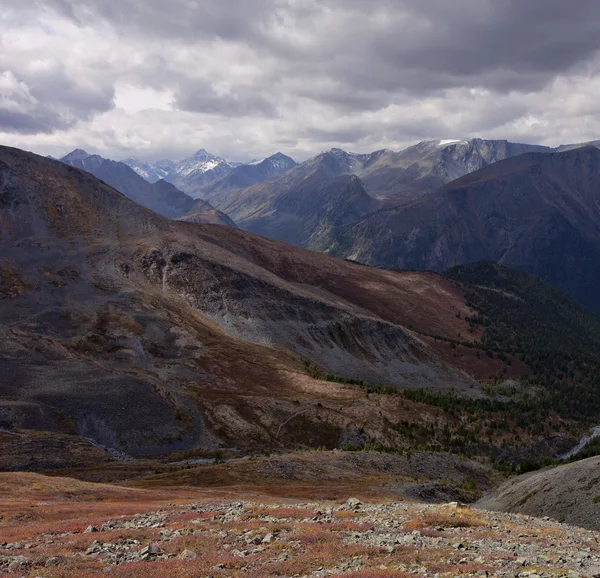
x=246, y=78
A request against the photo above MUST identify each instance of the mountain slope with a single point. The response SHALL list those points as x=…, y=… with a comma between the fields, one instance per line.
x=247, y=175
x=150, y=172
x=197, y=171
x=106, y=306
x=557, y=337
x=160, y=196
x=404, y=176
x=304, y=204
x=538, y=213
x=569, y=493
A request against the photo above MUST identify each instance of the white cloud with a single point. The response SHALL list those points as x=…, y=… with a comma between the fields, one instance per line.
x=15, y=96
x=134, y=99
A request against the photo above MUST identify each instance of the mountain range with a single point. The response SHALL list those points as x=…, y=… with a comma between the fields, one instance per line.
x=193, y=174
x=305, y=203
x=398, y=209
x=200, y=163
x=538, y=212
x=160, y=196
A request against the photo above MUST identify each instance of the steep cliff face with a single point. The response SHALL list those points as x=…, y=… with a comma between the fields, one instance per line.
x=539, y=213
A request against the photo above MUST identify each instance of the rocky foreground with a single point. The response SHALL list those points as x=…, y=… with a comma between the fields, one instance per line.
x=55, y=527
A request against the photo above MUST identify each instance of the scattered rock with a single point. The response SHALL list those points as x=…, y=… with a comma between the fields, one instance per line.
x=54, y=561
x=90, y=530
x=19, y=564
x=352, y=504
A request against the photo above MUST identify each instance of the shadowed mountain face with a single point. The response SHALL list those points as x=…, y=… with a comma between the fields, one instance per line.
x=305, y=204
x=160, y=196
x=150, y=335
x=245, y=176
x=539, y=213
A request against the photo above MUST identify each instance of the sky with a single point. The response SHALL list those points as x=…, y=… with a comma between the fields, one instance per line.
x=247, y=78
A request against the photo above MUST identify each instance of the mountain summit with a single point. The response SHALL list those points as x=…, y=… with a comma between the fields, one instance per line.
x=189, y=174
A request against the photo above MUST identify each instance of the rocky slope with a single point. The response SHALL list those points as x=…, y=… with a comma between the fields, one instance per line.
x=537, y=212
x=86, y=529
x=160, y=196
x=569, y=493
x=213, y=335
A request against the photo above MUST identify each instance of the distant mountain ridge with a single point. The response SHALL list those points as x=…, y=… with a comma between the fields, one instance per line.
x=189, y=174
x=538, y=212
x=305, y=204
x=160, y=196
x=247, y=175
x=204, y=175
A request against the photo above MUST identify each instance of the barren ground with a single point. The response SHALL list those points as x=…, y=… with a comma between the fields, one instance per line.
x=59, y=527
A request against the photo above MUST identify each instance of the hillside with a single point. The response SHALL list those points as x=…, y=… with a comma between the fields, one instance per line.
x=206, y=330
x=534, y=322
x=569, y=493
x=538, y=213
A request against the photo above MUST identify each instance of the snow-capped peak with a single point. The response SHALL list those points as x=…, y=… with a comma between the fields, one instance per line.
x=200, y=162
x=151, y=173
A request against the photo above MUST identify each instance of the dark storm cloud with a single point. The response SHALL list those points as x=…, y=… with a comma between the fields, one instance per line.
x=48, y=101
x=371, y=50
x=494, y=42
